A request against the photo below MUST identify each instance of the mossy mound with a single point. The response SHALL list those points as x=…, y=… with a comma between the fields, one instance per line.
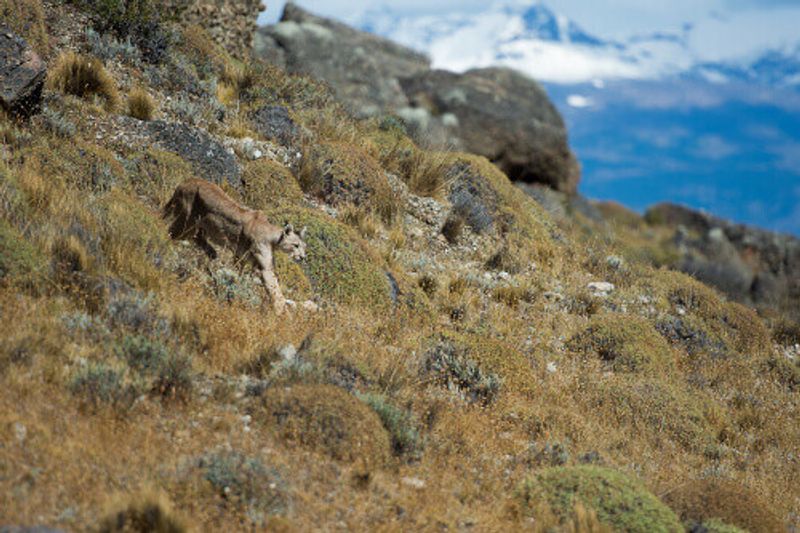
x=268, y=184
x=656, y=408
x=492, y=203
x=619, y=500
x=20, y=262
x=330, y=420
x=708, y=323
x=83, y=165
x=729, y=502
x=627, y=343
x=344, y=174
x=338, y=265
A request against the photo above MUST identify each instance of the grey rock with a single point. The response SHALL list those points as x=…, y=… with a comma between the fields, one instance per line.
x=207, y=157
x=361, y=68
x=274, y=122
x=22, y=74
x=504, y=116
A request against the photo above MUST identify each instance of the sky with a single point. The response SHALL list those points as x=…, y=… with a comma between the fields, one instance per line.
x=647, y=120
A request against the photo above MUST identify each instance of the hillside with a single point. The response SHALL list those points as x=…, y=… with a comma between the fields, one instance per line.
x=471, y=361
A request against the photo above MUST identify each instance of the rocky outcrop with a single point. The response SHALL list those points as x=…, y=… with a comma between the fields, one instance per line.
x=22, y=74
x=363, y=69
x=751, y=265
x=502, y=115
x=207, y=157
x=232, y=23
x=495, y=112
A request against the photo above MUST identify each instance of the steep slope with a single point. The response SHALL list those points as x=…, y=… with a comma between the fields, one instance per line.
x=464, y=368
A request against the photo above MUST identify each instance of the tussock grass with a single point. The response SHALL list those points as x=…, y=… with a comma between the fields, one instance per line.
x=83, y=76
x=140, y=104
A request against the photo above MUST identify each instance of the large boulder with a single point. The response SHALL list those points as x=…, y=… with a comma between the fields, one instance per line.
x=504, y=116
x=496, y=112
x=361, y=68
x=22, y=74
x=751, y=265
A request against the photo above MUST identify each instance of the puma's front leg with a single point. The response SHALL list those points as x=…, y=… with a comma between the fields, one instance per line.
x=263, y=257
x=274, y=290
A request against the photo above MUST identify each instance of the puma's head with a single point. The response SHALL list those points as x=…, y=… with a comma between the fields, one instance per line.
x=292, y=243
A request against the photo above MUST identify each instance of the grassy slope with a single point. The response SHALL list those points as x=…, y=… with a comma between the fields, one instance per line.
x=122, y=352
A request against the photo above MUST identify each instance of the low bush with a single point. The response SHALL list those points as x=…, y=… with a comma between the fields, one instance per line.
x=245, y=482
x=139, y=20
x=330, y=420
x=21, y=263
x=339, y=265
x=626, y=344
x=99, y=384
x=344, y=174
x=620, y=502
x=449, y=364
x=269, y=185
x=400, y=423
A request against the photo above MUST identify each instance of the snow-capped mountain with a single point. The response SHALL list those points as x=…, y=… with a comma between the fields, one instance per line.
x=552, y=48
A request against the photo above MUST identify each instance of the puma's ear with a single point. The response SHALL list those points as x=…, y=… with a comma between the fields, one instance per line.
x=303, y=232
x=288, y=228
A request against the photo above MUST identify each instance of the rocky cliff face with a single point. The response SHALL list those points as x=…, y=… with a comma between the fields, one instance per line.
x=751, y=265
x=497, y=113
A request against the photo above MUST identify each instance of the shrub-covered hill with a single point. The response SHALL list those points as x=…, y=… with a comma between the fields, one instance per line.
x=464, y=369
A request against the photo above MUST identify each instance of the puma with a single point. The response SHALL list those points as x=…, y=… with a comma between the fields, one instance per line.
x=200, y=211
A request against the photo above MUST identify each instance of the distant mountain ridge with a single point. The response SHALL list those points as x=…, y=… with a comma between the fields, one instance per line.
x=528, y=36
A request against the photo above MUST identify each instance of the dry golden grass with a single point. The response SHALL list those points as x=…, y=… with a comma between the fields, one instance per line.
x=83, y=76
x=140, y=104
x=700, y=500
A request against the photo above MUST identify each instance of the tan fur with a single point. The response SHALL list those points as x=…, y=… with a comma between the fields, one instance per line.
x=202, y=212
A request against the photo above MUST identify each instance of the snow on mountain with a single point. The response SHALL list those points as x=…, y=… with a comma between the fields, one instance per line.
x=552, y=48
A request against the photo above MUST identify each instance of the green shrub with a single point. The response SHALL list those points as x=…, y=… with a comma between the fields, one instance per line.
x=99, y=384
x=142, y=353
x=20, y=262
x=139, y=20
x=656, y=408
x=619, y=501
x=245, y=482
x=625, y=342
x=450, y=365
x=344, y=174
x=400, y=423
x=268, y=185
